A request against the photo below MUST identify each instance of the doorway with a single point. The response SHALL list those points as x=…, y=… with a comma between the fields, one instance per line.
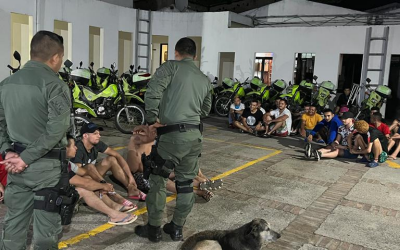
x=263, y=67
x=21, y=36
x=304, y=64
x=64, y=29
x=394, y=82
x=349, y=71
x=159, y=52
x=96, y=46
x=226, y=65
x=125, y=47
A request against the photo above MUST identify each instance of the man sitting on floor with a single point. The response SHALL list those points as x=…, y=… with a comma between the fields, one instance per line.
x=86, y=156
x=368, y=141
x=87, y=187
x=340, y=145
x=259, y=107
x=251, y=119
x=309, y=121
x=278, y=121
x=376, y=122
x=327, y=128
x=236, y=110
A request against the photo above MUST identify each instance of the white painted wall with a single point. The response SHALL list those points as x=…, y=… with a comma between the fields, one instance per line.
x=327, y=42
x=177, y=25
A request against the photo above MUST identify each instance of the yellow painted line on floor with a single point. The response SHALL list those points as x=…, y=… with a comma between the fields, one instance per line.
x=104, y=227
x=246, y=165
x=393, y=164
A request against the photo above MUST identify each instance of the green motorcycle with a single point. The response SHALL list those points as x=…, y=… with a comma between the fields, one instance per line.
x=137, y=80
x=376, y=98
x=323, y=94
x=111, y=102
x=77, y=121
x=267, y=94
x=298, y=95
x=224, y=100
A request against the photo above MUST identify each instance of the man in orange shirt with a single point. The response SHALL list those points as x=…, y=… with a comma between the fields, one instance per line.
x=309, y=121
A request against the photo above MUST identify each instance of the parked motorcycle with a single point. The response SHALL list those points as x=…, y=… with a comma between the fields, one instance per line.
x=376, y=98
x=77, y=121
x=322, y=94
x=267, y=94
x=108, y=103
x=223, y=102
x=298, y=95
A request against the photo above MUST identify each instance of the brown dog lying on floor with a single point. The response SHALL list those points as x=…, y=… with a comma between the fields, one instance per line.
x=250, y=236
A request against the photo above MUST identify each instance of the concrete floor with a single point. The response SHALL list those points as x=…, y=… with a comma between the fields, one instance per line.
x=330, y=204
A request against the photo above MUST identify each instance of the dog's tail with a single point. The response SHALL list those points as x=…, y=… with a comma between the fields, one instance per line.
x=191, y=242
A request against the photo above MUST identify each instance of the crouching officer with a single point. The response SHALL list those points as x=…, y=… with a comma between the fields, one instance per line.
x=177, y=95
x=34, y=119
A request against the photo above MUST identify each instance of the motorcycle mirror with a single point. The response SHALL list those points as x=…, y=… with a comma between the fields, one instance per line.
x=368, y=80
x=315, y=77
x=216, y=78
x=115, y=65
x=92, y=64
x=290, y=83
x=17, y=56
x=138, y=67
x=68, y=63
x=131, y=67
x=80, y=64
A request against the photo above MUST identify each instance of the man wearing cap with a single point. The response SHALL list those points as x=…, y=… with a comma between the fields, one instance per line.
x=86, y=156
x=340, y=145
x=370, y=142
x=177, y=96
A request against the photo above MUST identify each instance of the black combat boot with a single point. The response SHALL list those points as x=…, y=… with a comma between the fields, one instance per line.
x=174, y=231
x=148, y=231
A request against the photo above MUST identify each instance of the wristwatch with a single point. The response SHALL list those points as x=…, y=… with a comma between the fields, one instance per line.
x=4, y=153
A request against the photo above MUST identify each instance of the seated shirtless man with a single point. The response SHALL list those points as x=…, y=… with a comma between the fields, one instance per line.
x=142, y=142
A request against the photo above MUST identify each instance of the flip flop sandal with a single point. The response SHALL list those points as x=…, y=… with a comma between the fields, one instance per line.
x=140, y=197
x=207, y=196
x=266, y=136
x=211, y=185
x=124, y=209
x=124, y=221
x=391, y=158
x=127, y=203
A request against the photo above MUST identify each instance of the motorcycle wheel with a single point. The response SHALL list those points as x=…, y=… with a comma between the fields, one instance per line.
x=222, y=106
x=78, y=123
x=127, y=118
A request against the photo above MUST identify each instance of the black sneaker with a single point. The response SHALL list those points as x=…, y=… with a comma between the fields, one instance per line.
x=148, y=231
x=308, y=149
x=317, y=154
x=174, y=231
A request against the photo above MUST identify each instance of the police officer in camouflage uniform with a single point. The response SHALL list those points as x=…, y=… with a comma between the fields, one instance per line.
x=34, y=119
x=177, y=96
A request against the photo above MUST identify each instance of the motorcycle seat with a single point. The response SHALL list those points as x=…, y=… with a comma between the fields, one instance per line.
x=95, y=91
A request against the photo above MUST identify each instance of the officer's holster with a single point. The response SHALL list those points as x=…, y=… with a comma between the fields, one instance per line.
x=59, y=199
x=155, y=164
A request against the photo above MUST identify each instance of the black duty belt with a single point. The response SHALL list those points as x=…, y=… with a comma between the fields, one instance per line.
x=183, y=127
x=55, y=153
